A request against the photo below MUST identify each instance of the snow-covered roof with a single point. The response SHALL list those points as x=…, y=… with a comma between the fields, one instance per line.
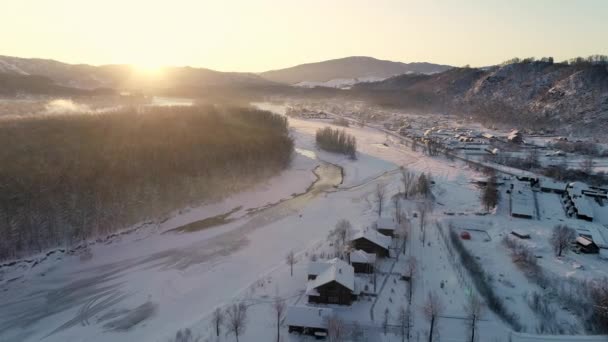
x=386, y=223
x=307, y=316
x=576, y=188
x=583, y=207
x=317, y=267
x=362, y=257
x=374, y=237
x=522, y=200
x=549, y=183
x=583, y=241
x=338, y=271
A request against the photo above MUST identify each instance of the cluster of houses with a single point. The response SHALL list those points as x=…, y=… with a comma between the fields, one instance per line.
x=578, y=202
x=334, y=282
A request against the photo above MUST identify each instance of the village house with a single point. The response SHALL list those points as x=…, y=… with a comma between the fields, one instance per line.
x=334, y=285
x=308, y=320
x=586, y=245
x=550, y=185
x=576, y=202
x=521, y=200
x=386, y=226
x=371, y=241
x=362, y=262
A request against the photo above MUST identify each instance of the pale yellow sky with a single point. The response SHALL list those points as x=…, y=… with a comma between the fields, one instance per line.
x=252, y=35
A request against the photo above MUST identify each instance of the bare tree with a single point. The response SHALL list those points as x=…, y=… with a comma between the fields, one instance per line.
x=185, y=335
x=473, y=309
x=402, y=231
x=411, y=266
x=236, y=319
x=404, y=323
x=561, y=237
x=397, y=205
x=218, y=319
x=490, y=195
x=433, y=307
x=336, y=330
x=385, y=320
x=423, y=209
x=407, y=178
x=380, y=196
x=279, y=308
x=341, y=234
x=587, y=165
x=423, y=185
x=290, y=260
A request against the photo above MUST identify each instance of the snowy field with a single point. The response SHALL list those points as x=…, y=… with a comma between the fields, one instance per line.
x=148, y=285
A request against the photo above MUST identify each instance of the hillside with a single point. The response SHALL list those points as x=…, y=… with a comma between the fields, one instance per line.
x=124, y=76
x=349, y=68
x=573, y=96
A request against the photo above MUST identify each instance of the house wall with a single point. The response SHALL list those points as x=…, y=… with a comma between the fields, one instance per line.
x=332, y=293
x=387, y=232
x=363, y=268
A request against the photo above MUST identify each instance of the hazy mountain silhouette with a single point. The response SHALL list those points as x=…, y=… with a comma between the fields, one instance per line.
x=349, y=68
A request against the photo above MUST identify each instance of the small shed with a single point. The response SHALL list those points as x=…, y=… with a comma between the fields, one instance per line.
x=586, y=245
x=308, y=320
x=386, y=226
x=465, y=235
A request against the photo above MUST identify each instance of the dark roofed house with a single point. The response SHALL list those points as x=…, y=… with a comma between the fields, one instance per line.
x=372, y=242
x=335, y=285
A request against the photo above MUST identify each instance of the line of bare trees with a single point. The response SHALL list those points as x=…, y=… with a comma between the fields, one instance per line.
x=336, y=140
x=66, y=178
x=415, y=185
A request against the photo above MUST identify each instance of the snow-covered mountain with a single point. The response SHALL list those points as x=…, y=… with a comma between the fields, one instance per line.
x=347, y=69
x=527, y=93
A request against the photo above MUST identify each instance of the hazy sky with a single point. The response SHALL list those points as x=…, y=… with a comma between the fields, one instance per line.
x=257, y=35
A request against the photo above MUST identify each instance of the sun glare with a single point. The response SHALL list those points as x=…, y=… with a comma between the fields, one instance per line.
x=146, y=69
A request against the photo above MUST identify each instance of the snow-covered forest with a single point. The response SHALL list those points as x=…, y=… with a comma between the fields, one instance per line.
x=65, y=178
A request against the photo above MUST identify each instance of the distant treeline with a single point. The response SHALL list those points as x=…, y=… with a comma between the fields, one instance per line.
x=65, y=178
x=336, y=140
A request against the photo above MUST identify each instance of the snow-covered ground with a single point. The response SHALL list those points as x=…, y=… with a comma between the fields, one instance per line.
x=156, y=281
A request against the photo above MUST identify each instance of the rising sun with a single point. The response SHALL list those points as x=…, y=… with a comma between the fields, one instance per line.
x=147, y=69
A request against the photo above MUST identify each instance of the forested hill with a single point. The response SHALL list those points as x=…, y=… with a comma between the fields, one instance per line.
x=65, y=178
x=570, y=95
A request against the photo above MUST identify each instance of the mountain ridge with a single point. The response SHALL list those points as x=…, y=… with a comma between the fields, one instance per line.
x=348, y=68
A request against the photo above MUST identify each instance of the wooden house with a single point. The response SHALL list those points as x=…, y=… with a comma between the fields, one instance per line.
x=371, y=241
x=335, y=285
x=362, y=262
